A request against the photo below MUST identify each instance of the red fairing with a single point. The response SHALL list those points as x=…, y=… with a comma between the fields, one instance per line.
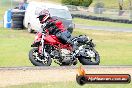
x=52, y=39
x=38, y=36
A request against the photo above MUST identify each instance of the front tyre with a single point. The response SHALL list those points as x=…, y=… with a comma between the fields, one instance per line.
x=88, y=60
x=37, y=61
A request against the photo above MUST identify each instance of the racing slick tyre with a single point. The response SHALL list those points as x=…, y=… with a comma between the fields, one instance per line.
x=36, y=60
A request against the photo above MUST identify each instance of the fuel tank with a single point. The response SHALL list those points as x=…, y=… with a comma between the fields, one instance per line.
x=52, y=39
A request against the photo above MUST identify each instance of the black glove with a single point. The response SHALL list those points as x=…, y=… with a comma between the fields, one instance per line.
x=48, y=24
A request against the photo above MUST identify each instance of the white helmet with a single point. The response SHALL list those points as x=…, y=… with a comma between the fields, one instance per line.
x=43, y=15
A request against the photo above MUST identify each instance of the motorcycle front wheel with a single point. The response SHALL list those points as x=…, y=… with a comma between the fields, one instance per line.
x=37, y=61
x=88, y=60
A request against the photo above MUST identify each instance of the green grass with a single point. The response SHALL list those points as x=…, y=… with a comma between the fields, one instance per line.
x=70, y=85
x=101, y=23
x=107, y=3
x=14, y=48
x=114, y=47
x=112, y=3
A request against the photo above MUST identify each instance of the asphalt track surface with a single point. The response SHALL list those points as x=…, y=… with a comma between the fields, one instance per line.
x=115, y=29
x=24, y=75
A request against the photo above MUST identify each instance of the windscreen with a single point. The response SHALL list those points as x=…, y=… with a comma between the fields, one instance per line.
x=62, y=13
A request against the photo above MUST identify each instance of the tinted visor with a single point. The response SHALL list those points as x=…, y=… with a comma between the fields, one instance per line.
x=41, y=17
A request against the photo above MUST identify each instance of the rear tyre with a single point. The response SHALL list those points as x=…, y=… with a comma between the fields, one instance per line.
x=33, y=58
x=88, y=61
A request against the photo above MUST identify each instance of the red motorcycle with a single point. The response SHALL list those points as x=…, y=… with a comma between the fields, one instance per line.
x=48, y=47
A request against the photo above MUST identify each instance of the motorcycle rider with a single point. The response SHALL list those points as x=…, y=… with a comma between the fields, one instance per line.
x=54, y=26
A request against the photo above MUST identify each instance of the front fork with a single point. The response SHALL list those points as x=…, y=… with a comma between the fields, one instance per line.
x=42, y=41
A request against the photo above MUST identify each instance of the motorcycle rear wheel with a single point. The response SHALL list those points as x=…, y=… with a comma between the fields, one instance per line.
x=33, y=60
x=87, y=61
